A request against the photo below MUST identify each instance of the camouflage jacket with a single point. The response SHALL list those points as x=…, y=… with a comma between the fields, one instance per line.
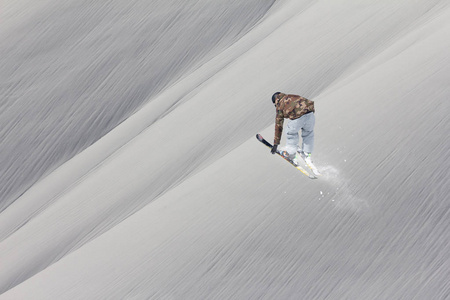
x=290, y=107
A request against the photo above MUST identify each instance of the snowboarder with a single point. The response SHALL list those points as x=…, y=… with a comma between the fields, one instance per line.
x=300, y=112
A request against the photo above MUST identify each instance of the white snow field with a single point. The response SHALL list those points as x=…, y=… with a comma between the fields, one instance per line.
x=129, y=167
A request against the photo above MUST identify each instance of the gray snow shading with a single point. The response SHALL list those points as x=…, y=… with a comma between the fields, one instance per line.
x=130, y=168
x=73, y=70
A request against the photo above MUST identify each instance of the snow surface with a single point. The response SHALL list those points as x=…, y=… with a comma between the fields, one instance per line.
x=130, y=169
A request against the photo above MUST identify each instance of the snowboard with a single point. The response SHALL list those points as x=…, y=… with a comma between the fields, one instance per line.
x=296, y=165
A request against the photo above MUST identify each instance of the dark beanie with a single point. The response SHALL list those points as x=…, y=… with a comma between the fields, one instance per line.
x=274, y=97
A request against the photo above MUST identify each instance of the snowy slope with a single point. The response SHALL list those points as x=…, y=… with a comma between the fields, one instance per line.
x=180, y=201
x=74, y=70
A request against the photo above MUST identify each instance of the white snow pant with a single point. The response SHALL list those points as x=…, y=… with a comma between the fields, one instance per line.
x=306, y=124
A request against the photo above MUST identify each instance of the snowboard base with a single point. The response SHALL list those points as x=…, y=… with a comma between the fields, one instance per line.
x=296, y=165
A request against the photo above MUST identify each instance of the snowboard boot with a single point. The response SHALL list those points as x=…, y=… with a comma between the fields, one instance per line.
x=291, y=157
x=306, y=157
x=308, y=160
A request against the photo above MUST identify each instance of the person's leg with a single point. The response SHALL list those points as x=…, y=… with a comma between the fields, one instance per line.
x=292, y=136
x=308, y=133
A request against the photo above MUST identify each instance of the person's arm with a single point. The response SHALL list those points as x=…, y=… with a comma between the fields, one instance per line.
x=278, y=127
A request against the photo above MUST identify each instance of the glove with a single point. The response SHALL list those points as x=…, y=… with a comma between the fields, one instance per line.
x=274, y=149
